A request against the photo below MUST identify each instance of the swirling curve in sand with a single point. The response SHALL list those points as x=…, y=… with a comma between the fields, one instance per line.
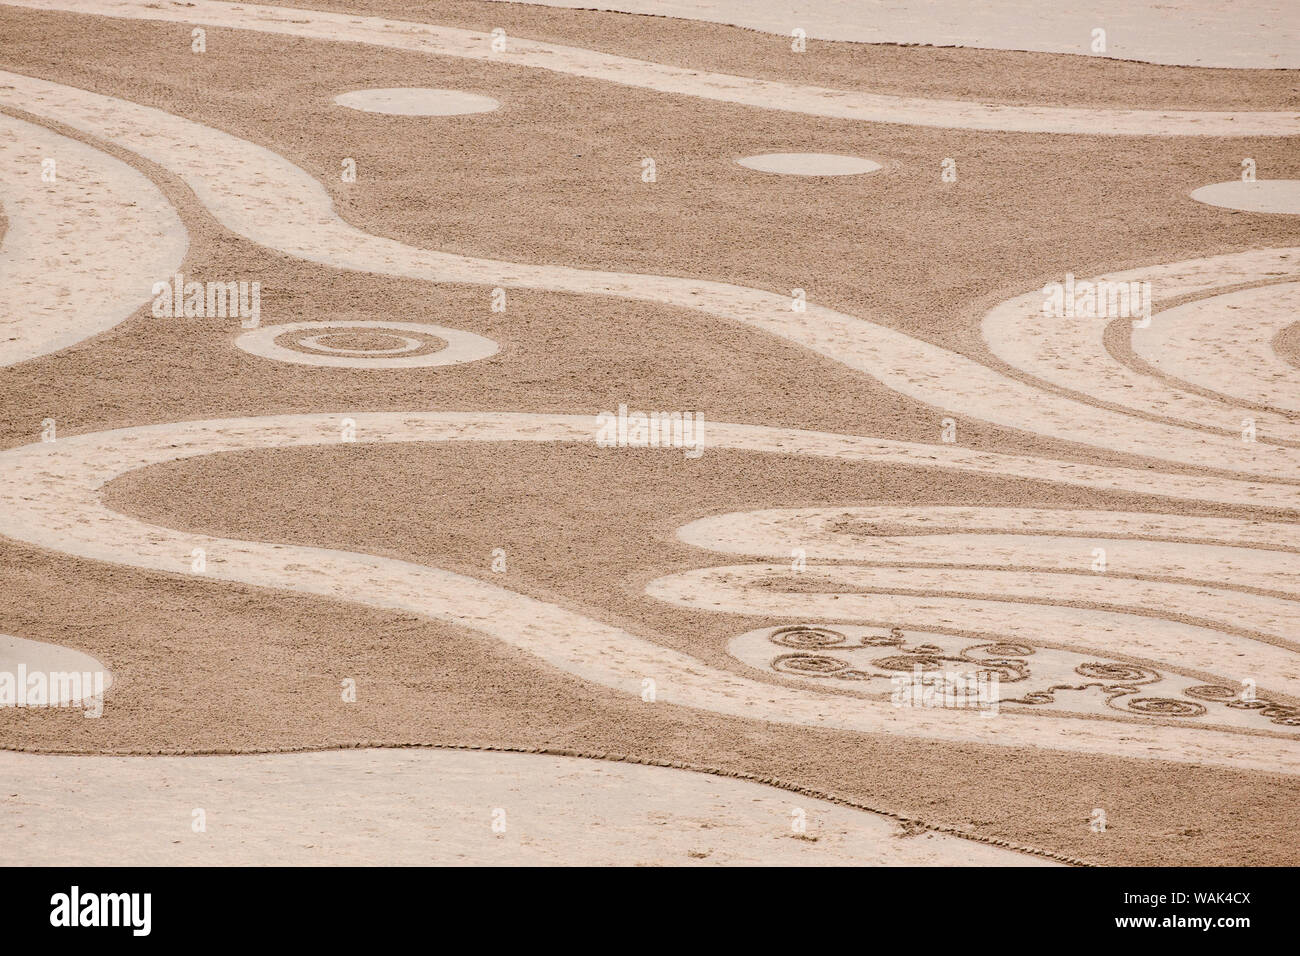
x=1069, y=351
x=302, y=809
x=1226, y=344
x=1176, y=591
x=762, y=94
x=82, y=251
x=51, y=498
x=260, y=195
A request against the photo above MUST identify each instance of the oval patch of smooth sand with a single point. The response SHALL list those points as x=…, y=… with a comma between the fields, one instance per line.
x=1263, y=195
x=417, y=101
x=40, y=657
x=810, y=164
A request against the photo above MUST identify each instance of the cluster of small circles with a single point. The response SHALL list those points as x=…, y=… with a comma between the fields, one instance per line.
x=1117, y=673
x=1216, y=692
x=817, y=665
x=1164, y=707
x=1231, y=697
x=1000, y=650
x=805, y=636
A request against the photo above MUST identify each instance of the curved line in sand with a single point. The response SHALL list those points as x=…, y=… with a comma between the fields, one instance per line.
x=1227, y=553
x=259, y=195
x=762, y=94
x=1190, y=33
x=1225, y=344
x=461, y=346
x=302, y=808
x=1069, y=352
x=81, y=253
x=809, y=164
x=51, y=494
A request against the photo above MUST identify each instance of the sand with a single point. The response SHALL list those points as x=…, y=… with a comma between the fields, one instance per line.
x=1227, y=345
x=1260, y=34
x=65, y=512
x=328, y=557
x=20, y=658
x=809, y=164
x=417, y=102
x=439, y=808
x=1280, y=196
x=949, y=114
x=81, y=251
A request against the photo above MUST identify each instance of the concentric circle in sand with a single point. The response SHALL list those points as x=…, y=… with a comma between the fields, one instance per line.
x=417, y=101
x=366, y=344
x=809, y=164
x=1263, y=195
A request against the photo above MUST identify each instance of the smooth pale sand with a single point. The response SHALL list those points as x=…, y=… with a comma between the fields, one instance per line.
x=809, y=164
x=1072, y=352
x=416, y=101
x=41, y=656
x=81, y=253
x=1227, y=344
x=52, y=497
x=1281, y=196
x=436, y=807
x=762, y=94
x=1260, y=34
